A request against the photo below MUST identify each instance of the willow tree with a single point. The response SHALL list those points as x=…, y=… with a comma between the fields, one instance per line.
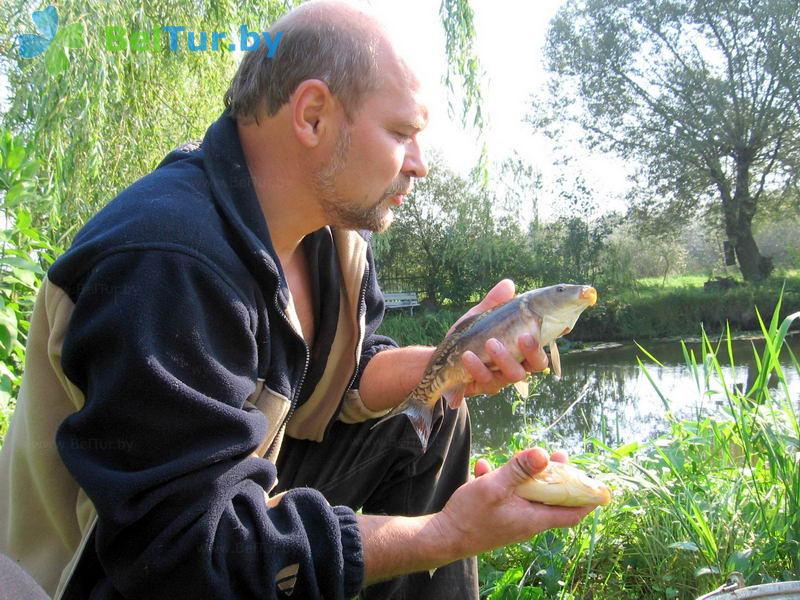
x=100, y=113
x=704, y=94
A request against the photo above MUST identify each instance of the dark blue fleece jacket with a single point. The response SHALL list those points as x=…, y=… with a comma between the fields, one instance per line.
x=178, y=311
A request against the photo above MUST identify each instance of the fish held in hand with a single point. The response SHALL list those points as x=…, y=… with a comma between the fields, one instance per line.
x=547, y=313
x=560, y=484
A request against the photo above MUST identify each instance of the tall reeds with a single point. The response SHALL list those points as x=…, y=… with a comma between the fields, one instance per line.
x=717, y=493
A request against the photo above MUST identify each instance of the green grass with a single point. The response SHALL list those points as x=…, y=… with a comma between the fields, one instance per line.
x=655, y=286
x=649, y=311
x=712, y=496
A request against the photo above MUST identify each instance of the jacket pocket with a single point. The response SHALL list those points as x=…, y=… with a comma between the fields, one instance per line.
x=274, y=407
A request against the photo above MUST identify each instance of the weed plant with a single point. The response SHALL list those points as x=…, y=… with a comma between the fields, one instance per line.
x=713, y=495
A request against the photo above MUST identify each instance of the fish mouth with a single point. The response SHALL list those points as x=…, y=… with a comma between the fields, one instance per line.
x=590, y=294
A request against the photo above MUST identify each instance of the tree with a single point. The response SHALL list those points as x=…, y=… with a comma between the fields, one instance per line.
x=101, y=115
x=452, y=238
x=704, y=94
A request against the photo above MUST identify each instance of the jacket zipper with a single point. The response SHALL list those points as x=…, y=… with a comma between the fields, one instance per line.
x=298, y=389
x=361, y=307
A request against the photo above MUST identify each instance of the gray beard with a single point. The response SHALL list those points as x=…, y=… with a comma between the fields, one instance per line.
x=342, y=213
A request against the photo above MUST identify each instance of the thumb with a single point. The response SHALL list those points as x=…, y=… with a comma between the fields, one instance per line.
x=520, y=468
x=501, y=292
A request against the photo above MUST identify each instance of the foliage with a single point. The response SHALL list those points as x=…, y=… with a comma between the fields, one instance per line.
x=24, y=257
x=459, y=29
x=449, y=238
x=578, y=249
x=428, y=326
x=711, y=496
x=703, y=94
x=111, y=116
x=653, y=309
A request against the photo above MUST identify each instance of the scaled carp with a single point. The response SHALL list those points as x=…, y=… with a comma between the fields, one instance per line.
x=548, y=312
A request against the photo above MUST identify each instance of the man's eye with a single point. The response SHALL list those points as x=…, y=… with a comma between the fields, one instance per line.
x=402, y=136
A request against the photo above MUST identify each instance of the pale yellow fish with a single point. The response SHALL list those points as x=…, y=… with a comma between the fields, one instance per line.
x=561, y=484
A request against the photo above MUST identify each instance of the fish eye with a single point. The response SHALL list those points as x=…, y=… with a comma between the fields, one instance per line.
x=560, y=288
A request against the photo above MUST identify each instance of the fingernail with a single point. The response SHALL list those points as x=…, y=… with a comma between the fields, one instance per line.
x=529, y=341
x=534, y=460
x=494, y=345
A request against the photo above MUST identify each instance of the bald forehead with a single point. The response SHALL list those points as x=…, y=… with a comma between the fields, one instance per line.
x=393, y=74
x=342, y=15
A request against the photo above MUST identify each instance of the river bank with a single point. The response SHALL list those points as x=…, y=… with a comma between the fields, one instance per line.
x=701, y=458
x=650, y=312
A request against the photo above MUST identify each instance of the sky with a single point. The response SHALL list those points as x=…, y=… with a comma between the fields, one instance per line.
x=510, y=39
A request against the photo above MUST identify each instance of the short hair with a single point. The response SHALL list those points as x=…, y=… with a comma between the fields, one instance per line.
x=344, y=56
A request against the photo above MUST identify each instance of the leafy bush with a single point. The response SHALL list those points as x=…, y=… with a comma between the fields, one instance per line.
x=24, y=257
x=711, y=496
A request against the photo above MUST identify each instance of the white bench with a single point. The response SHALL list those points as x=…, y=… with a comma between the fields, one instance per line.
x=402, y=300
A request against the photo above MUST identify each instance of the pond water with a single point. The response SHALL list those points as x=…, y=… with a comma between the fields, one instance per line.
x=606, y=395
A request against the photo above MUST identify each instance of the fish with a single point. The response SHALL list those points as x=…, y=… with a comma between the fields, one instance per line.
x=560, y=484
x=547, y=312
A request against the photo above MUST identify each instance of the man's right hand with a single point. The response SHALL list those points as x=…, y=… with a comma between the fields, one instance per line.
x=485, y=513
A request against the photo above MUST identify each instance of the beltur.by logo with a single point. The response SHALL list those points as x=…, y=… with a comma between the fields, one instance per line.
x=49, y=40
x=181, y=38
x=55, y=43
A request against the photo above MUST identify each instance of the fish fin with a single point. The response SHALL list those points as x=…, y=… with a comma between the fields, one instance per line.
x=455, y=396
x=432, y=571
x=420, y=414
x=522, y=388
x=555, y=359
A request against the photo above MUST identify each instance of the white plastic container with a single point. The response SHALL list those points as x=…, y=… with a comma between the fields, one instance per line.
x=733, y=590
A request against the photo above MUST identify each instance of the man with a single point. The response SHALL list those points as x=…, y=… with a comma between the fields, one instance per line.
x=208, y=343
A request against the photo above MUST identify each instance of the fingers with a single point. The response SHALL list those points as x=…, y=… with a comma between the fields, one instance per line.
x=482, y=467
x=491, y=382
x=520, y=468
x=534, y=355
x=506, y=368
x=475, y=367
x=504, y=361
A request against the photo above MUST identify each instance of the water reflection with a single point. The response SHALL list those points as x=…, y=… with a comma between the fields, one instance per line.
x=613, y=399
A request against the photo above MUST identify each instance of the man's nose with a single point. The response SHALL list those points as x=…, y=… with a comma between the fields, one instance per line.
x=415, y=164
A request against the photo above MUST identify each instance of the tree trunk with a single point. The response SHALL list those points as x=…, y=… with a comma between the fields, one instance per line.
x=739, y=209
x=753, y=266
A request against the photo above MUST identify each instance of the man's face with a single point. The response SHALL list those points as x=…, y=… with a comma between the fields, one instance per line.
x=374, y=157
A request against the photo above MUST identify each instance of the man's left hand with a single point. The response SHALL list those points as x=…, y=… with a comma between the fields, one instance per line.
x=509, y=370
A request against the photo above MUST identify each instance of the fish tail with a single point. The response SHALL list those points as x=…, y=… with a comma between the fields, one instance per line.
x=419, y=412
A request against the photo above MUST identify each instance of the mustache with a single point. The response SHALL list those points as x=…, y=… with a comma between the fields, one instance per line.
x=401, y=186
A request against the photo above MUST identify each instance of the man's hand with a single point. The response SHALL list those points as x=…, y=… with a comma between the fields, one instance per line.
x=392, y=374
x=509, y=370
x=485, y=513
x=481, y=515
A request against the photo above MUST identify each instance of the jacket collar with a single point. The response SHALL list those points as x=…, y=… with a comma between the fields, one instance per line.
x=226, y=167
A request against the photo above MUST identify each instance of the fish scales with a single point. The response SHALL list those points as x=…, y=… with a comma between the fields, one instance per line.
x=547, y=313
x=505, y=323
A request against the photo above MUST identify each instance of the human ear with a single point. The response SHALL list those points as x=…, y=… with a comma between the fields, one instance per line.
x=312, y=103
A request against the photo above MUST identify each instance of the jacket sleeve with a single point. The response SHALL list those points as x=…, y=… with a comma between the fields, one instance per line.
x=163, y=348
x=353, y=409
